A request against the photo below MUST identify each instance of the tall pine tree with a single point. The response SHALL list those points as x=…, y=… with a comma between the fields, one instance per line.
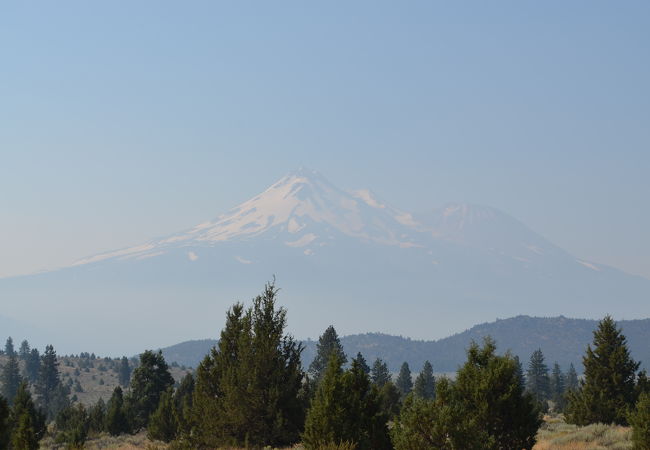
x=572, y=383
x=425, y=383
x=23, y=352
x=607, y=392
x=9, y=347
x=52, y=394
x=558, y=387
x=124, y=372
x=33, y=365
x=537, y=380
x=404, y=381
x=116, y=419
x=10, y=378
x=362, y=363
x=328, y=345
x=379, y=373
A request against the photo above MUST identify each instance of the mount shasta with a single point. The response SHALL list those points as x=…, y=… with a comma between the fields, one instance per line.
x=342, y=258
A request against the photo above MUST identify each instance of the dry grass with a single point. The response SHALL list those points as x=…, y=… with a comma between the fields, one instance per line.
x=555, y=434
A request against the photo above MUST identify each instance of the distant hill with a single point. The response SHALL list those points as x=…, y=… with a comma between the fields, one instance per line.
x=561, y=339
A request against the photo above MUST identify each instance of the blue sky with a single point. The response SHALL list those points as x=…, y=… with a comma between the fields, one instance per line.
x=121, y=121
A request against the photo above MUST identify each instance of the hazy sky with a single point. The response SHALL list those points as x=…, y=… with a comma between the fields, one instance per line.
x=122, y=120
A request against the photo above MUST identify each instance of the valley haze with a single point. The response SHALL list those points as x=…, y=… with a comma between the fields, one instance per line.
x=341, y=257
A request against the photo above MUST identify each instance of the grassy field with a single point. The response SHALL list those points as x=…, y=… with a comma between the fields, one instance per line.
x=555, y=434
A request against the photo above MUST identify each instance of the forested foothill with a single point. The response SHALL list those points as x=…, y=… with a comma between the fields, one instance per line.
x=251, y=391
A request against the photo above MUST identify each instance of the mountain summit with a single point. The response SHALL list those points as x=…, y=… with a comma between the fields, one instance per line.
x=341, y=257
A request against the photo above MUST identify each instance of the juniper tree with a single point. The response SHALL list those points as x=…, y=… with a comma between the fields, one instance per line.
x=328, y=345
x=639, y=419
x=404, y=382
x=346, y=409
x=116, y=419
x=379, y=373
x=150, y=379
x=608, y=389
x=557, y=387
x=97, y=417
x=183, y=398
x=247, y=388
x=537, y=380
x=425, y=383
x=52, y=394
x=72, y=426
x=10, y=378
x=163, y=423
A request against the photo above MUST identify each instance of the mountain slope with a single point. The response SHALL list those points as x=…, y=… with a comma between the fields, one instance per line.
x=561, y=339
x=340, y=257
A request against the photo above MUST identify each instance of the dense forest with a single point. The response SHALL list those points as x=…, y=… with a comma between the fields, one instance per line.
x=253, y=390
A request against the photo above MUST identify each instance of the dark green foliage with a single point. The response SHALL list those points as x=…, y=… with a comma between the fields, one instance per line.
x=440, y=424
x=639, y=419
x=33, y=365
x=425, y=383
x=486, y=408
x=5, y=426
x=10, y=378
x=572, y=383
x=150, y=380
x=557, y=387
x=52, y=394
x=72, y=426
x=379, y=373
x=23, y=352
x=183, y=399
x=390, y=399
x=247, y=389
x=163, y=423
x=608, y=390
x=116, y=420
x=28, y=423
x=520, y=372
x=328, y=345
x=346, y=409
x=362, y=363
x=9, y=347
x=124, y=372
x=97, y=417
x=537, y=380
x=404, y=382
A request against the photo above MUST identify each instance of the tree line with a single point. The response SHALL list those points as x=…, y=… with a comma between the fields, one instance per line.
x=252, y=391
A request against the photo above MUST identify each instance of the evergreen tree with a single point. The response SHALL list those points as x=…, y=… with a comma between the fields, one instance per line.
x=5, y=426
x=379, y=373
x=9, y=347
x=28, y=422
x=404, y=382
x=520, y=372
x=183, y=399
x=425, y=383
x=163, y=423
x=538, y=382
x=23, y=353
x=248, y=388
x=10, y=378
x=572, y=383
x=124, y=372
x=116, y=420
x=33, y=365
x=97, y=417
x=328, y=344
x=72, y=426
x=558, y=387
x=346, y=409
x=608, y=390
x=640, y=421
x=52, y=394
x=390, y=399
x=362, y=363
x=487, y=386
x=150, y=380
